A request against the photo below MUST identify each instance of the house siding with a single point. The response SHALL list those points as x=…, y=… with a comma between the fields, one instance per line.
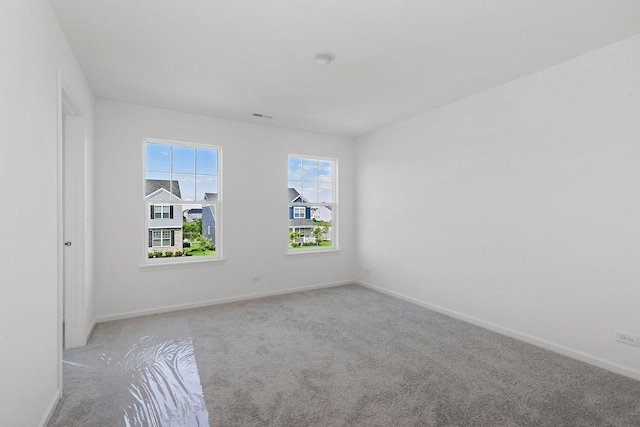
x=175, y=222
x=208, y=224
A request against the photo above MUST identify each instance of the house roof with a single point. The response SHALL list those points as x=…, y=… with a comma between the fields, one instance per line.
x=301, y=223
x=194, y=211
x=294, y=194
x=212, y=197
x=153, y=185
x=315, y=208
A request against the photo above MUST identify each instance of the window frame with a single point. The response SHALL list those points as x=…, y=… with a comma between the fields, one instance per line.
x=162, y=206
x=297, y=210
x=333, y=205
x=184, y=261
x=162, y=231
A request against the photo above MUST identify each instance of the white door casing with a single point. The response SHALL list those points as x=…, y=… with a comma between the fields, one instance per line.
x=71, y=199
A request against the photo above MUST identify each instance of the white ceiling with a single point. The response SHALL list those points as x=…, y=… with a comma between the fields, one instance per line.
x=394, y=59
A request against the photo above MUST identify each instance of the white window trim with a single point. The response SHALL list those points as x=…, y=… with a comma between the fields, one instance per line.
x=161, y=238
x=335, y=241
x=161, y=212
x=149, y=264
x=299, y=209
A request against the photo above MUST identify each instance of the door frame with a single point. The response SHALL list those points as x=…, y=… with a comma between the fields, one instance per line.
x=70, y=165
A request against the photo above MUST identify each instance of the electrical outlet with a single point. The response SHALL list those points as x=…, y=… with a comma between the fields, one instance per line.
x=255, y=278
x=367, y=271
x=627, y=339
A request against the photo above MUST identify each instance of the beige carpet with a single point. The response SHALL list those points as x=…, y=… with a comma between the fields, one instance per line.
x=348, y=356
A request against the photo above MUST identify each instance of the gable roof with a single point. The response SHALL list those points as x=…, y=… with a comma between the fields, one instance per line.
x=212, y=197
x=153, y=185
x=294, y=194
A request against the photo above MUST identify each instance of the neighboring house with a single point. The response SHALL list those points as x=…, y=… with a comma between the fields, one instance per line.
x=300, y=217
x=321, y=213
x=165, y=220
x=209, y=218
x=190, y=214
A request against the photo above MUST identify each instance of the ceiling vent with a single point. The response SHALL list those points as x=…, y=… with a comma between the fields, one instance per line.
x=324, y=58
x=262, y=116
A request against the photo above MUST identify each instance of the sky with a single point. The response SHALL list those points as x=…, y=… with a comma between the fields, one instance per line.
x=312, y=178
x=196, y=169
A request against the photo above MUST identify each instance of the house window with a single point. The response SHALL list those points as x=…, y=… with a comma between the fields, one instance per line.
x=298, y=211
x=312, y=203
x=182, y=200
x=160, y=238
x=162, y=212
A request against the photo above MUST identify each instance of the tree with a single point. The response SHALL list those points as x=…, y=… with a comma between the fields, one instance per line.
x=292, y=238
x=192, y=230
x=319, y=232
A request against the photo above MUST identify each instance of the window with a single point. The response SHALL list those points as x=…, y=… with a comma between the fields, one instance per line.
x=299, y=211
x=312, y=203
x=161, y=238
x=182, y=201
x=161, y=211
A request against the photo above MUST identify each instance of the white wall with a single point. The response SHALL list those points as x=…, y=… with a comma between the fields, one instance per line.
x=517, y=208
x=32, y=50
x=254, y=223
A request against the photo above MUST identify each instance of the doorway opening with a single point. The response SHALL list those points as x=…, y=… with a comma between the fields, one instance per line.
x=71, y=220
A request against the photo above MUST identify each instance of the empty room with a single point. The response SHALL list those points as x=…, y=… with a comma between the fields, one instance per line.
x=320, y=213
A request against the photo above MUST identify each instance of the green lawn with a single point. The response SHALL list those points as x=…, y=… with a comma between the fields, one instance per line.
x=324, y=243
x=196, y=250
x=199, y=252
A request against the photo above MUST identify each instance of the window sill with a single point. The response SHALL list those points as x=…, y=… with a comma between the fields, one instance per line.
x=311, y=252
x=171, y=264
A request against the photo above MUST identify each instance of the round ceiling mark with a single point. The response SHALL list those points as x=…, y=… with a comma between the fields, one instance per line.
x=324, y=58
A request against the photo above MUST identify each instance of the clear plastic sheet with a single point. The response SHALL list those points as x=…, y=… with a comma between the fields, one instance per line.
x=147, y=376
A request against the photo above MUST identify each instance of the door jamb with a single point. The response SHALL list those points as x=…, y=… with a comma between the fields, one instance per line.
x=74, y=320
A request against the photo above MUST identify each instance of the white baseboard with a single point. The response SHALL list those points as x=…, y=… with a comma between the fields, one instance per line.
x=52, y=407
x=169, y=308
x=566, y=351
x=90, y=331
